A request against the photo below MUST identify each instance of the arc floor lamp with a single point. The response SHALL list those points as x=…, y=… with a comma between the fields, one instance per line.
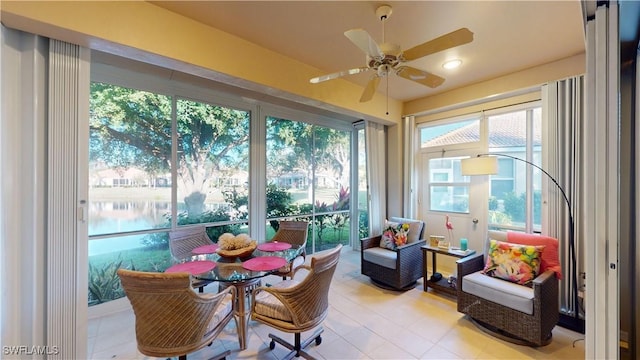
x=487, y=164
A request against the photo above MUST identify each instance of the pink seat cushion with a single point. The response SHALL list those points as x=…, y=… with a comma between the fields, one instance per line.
x=274, y=246
x=205, y=249
x=192, y=267
x=264, y=263
x=549, y=258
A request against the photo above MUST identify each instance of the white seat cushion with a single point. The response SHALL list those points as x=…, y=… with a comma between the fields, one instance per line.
x=268, y=305
x=415, y=228
x=499, y=291
x=225, y=307
x=298, y=261
x=381, y=256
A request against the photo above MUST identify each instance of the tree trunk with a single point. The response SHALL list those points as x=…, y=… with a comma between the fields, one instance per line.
x=194, y=203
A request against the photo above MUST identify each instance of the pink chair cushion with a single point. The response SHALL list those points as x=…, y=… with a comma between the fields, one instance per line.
x=550, y=260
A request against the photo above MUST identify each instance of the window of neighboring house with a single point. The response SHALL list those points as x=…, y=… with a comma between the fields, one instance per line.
x=308, y=178
x=448, y=189
x=503, y=182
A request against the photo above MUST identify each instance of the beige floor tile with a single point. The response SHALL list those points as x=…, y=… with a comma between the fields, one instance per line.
x=340, y=349
x=365, y=340
x=389, y=350
x=438, y=352
x=364, y=322
x=412, y=343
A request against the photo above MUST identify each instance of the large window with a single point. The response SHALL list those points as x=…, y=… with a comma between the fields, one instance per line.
x=308, y=177
x=515, y=191
x=132, y=167
x=166, y=154
x=448, y=190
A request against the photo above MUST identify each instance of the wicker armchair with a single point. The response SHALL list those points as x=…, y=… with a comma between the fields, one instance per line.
x=182, y=241
x=171, y=319
x=498, y=315
x=292, y=232
x=294, y=306
x=394, y=269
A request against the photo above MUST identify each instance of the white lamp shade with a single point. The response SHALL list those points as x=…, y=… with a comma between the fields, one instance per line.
x=482, y=165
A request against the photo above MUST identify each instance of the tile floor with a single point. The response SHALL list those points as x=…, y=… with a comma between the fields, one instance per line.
x=364, y=322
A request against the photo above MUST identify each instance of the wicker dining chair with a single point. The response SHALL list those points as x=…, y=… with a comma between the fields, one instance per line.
x=172, y=319
x=295, y=306
x=182, y=241
x=296, y=233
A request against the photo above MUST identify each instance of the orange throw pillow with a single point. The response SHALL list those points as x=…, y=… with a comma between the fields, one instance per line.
x=549, y=257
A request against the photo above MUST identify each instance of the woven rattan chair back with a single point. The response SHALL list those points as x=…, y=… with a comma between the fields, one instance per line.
x=292, y=232
x=298, y=306
x=310, y=299
x=182, y=241
x=171, y=319
x=307, y=301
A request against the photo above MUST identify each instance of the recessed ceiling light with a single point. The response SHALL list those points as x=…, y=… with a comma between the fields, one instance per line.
x=452, y=64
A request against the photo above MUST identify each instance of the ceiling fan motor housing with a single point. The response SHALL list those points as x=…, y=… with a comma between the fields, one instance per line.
x=383, y=12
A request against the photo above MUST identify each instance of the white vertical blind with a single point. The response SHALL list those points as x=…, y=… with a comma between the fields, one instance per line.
x=564, y=117
x=66, y=243
x=599, y=214
x=410, y=138
x=376, y=175
x=22, y=190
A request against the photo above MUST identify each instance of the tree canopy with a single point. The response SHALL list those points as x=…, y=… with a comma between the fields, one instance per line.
x=132, y=128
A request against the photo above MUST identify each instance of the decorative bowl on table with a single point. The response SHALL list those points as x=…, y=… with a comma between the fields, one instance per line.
x=242, y=252
x=233, y=246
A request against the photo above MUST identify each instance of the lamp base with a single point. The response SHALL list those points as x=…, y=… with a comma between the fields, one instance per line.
x=571, y=323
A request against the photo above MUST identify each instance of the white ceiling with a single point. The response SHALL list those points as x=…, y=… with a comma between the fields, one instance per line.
x=508, y=35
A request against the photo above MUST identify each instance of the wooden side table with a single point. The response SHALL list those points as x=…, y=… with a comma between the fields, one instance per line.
x=442, y=284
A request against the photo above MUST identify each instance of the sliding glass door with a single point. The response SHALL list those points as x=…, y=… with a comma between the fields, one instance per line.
x=308, y=178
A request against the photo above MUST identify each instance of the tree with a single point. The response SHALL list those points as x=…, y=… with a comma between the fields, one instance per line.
x=132, y=128
x=297, y=147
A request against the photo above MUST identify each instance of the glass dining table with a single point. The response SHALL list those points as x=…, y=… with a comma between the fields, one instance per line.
x=244, y=274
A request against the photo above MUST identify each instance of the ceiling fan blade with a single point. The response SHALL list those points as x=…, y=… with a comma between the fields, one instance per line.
x=452, y=39
x=419, y=76
x=365, y=42
x=368, y=92
x=336, y=75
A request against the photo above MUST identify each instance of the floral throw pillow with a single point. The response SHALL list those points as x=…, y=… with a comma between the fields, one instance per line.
x=513, y=262
x=394, y=235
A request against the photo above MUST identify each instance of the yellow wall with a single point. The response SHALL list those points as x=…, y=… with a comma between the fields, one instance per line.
x=143, y=31
x=168, y=39
x=486, y=90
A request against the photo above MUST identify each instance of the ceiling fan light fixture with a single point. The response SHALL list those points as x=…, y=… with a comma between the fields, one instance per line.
x=452, y=64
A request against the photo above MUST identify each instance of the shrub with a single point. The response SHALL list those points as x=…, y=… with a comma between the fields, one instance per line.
x=104, y=283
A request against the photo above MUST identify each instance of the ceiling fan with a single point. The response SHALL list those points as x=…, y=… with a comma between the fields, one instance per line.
x=389, y=58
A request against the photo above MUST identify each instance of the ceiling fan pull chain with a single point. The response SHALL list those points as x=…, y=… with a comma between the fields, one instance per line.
x=387, y=95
